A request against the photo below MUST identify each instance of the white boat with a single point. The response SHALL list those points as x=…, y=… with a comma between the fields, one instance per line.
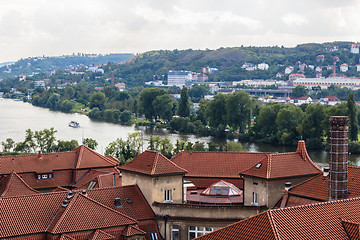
x=74, y=124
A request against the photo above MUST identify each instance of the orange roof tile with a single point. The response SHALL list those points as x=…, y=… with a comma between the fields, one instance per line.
x=317, y=188
x=352, y=229
x=216, y=164
x=66, y=237
x=88, y=158
x=152, y=163
x=13, y=184
x=101, y=235
x=132, y=230
x=280, y=165
x=313, y=221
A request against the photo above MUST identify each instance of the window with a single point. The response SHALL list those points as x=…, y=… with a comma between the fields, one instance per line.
x=195, y=232
x=168, y=197
x=255, y=199
x=175, y=233
x=153, y=236
x=45, y=176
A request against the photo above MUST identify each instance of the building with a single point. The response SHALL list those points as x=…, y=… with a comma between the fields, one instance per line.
x=40, y=84
x=344, y=67
x=324, y=83
x=355, y=48
x=320, y=58
x=295, y=76
x=263, y=66
x=179, y=78
x=121, y=86
x=289, y=70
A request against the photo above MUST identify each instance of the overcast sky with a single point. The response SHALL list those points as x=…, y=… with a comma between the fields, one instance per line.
x=31, y=28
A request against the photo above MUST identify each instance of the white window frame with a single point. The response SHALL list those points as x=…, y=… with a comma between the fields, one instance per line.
x=199, y=231
x=153, y=235
x=175, y=229
x=168, y=195
x=255, y=201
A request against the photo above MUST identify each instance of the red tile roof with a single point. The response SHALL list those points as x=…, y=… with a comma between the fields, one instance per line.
x=314, y=221
x=84, y=213
x=132, y=230
x=36, y=213
x=317, y=188
x=205, y=182
x=88, y=158
x=352, y=229
x=280, y=165
x=216, y=164
x=101, y=235
x=152, y=163
x=13, y=184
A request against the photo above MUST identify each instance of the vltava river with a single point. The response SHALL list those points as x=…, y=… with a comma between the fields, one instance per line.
x=16, y=117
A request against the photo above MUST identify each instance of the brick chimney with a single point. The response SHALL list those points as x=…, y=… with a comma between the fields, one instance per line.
x=338, y=157
x=301, y=149
x=39, y=155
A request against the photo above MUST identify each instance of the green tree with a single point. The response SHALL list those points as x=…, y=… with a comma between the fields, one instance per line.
x=164, y=106
x=125, y=116
x=8, y=145
x=91, y=143
x=312, y=126
x=199, y=146
x=28, y=145
x=288, y=120
x=97, y=100
x=146, y=99
x=184, y=103
x=216, y=111
x=299, y=91
x=234, y=147
x=46, y=140
x=352, y=113
x=63, y=146
x=238, y=108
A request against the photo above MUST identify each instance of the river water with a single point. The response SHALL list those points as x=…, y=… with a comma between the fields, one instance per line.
x=16, y=117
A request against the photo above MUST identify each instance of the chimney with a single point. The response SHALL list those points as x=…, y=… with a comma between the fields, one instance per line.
x=288, y=185
x=338, y=157
x=301, y=149
x=39, y=154
x=326, y=171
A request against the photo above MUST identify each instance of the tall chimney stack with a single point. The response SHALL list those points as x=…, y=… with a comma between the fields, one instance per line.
x=338, y=157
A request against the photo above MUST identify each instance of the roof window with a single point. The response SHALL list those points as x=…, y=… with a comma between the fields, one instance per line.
x=258, y=165
x=222, y=188
x=128, y=200
x=117, y=203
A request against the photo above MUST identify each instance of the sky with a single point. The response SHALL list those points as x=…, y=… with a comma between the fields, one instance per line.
x=30, y=28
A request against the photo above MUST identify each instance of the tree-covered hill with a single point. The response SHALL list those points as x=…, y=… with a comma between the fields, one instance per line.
x=229, y=61
x=34, y=65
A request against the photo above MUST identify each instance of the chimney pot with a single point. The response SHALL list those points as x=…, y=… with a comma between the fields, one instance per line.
x=39, y=154
x=288, y=185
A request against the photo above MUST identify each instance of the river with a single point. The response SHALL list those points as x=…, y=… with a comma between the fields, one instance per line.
x=16, y=117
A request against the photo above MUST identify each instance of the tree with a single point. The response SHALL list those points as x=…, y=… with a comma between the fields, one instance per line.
x=184, y=103
x=164, y=106
x=288, y=120
x=352, y=113
x=28, y=145
x=46, y=140
x=216, y=110
x=312, y=124
x=8, y=145
x=238, y=108
x=97, y=100
x=299, y=91
x=234, y=147
x=146, y=100
x=64, y=146
x=91, y=143
x=125, y=116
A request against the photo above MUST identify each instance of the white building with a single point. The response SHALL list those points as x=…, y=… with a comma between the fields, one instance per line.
x=358, y=68
x=40, y=84
x=257, y=83
x=324, y=83
x=95, y=70
x=263, y=66
x=22, y=77
x=179, y=78
x=289, y=69
x=344, y=67
x=121, y=86
x=355, y=48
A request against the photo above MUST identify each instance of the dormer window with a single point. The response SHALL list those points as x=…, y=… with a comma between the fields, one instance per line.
x=44, y=176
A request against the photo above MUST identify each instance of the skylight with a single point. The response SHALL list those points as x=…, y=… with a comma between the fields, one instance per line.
x=258, y=165
x=222, y=188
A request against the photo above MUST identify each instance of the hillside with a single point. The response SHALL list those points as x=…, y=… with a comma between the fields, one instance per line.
x=229, y=61
x=35, y=65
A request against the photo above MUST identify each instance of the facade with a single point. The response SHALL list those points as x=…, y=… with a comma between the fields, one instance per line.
x=344, y=67
x=324, y=83
x=179, y=78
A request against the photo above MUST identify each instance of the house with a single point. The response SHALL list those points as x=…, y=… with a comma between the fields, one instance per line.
x=320, y=58
x=103, y=213
x=295, y=76
x=300, y=100
x=289, y=70
x=74, y=169
x=198, y=192
x=263, y=66
x=330, y=100
x=355, y=48
x=344, y=67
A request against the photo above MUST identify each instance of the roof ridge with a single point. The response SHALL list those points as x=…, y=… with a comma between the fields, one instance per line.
x=155, y=163
x=14, y=175
x=268, y=170
x=79, y=157
x=63, y=213
x=273, y=224
x=35, y=154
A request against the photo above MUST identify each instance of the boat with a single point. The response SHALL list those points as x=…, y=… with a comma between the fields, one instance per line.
x=74, y=124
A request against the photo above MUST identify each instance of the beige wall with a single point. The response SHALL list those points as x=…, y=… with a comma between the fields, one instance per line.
x=269, y=191
x=154, y=188
x=186, y=215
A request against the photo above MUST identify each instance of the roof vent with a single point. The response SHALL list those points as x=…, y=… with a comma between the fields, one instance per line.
x=70, y=195
x=128, y=200
x=65, y=203
x=288, y=185
x=326, y=171
x=117, y=203
x=84, y=192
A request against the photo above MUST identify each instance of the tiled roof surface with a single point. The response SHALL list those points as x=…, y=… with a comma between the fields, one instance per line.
x=352, y=229
x=314, y=221
x=31, y=214
x=318, y=188
x=88, y=158
x=83, y=157
x=132, y=230
x=139, y=209
x=12, y=185
x=152, y=163
x=93, y=175
x=257, y=227
x=216, y=164
x=84, y=213
x=279, y=165
x=101, y=235
x=66, y=237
